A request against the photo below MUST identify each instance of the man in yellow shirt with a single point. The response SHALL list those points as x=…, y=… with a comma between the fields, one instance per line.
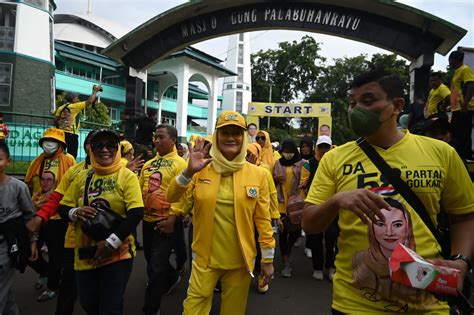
x=439, y=96
x=462, y=103
x=346, y=180
x=155, y=178
x=65, y=118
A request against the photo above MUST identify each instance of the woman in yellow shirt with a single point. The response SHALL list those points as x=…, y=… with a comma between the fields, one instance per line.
x=103, y=263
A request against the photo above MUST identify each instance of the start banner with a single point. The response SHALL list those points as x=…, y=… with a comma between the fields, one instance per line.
x=289, y=109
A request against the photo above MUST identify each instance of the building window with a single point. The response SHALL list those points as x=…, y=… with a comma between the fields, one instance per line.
x=238, y=101
x=114, y=114
x=42, y=4
x=228, y=86
x=241, y=37
x=240, y=86
x=51, y=41
x=241, y=54
x=7, y=27
x=53, y=94
x=240, y=74
x=5, y=83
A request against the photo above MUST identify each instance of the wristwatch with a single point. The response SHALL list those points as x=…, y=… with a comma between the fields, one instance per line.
x=464, y=258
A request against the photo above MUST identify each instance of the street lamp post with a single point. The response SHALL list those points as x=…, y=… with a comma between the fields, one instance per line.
x=269, y=101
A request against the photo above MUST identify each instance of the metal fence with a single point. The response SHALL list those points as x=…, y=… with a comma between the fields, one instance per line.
x=25, y=131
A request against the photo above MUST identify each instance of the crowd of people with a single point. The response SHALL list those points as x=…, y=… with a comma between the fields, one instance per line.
x=240, y=194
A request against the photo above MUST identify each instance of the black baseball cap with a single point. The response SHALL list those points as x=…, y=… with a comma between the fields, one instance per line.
x=105, y=133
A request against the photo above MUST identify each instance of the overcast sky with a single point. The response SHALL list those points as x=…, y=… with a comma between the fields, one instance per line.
x=130, y=14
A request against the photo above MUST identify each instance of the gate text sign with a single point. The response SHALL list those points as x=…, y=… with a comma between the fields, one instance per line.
x=289, y=109
x=362, y=26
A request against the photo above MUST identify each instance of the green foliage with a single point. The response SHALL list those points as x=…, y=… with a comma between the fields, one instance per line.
x=291, y=70
x=279, y=135
x=96, y=114
x=296, y=71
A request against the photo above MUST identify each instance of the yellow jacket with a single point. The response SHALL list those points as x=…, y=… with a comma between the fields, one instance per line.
x=252, y=201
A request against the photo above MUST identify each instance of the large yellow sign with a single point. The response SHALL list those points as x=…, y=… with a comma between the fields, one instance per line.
x=289, y=109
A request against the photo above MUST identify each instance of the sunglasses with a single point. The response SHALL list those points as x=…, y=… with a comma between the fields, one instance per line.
x=108, y=145
x=260, y=138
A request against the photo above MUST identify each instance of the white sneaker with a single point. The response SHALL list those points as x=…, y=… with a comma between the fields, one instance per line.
x=308, y=252
x=318, y=275
x=331, y=273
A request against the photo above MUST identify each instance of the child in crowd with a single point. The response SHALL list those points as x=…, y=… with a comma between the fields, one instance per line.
x=15, y=244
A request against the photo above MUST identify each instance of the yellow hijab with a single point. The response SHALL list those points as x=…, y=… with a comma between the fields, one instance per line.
x=106, y=170
x=222, y=165
x=64, y=164
x=255, y=149
x=266, y=156
x=125, y=146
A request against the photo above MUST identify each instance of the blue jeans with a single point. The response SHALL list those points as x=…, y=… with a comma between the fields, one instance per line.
x=101, y=290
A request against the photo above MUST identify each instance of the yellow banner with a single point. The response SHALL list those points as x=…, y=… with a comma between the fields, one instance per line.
x=289, y=109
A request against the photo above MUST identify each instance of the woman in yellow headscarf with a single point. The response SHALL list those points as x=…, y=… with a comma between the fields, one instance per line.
x=103, y=262
x=231, y=199
x=266, y=156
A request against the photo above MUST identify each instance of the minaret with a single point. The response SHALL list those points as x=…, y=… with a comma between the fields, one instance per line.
x=89, y=7
x=237, y=91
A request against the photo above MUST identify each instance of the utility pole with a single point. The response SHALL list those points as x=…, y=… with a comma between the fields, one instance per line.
x=89, y=7
x=269, y=101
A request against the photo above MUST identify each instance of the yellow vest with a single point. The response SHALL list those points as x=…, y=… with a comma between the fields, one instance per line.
x=252, y=202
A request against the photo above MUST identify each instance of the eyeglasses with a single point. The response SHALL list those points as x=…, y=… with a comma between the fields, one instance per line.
x=260, y=138
x=100, y=145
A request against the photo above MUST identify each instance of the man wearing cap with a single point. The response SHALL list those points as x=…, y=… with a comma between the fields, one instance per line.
x=348, y=184
x=315, y=241
x=231, y=199
x=462, y=102
x=53, y=160
x=65, y=118
x=155, y=178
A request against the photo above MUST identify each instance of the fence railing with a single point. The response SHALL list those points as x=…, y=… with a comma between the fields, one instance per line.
x=25, y=131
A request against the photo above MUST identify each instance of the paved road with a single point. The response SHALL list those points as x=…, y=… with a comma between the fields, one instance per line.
x=299, y=294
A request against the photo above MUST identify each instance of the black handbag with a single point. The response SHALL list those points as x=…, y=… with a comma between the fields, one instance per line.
x=460, y=303
x=105, y=221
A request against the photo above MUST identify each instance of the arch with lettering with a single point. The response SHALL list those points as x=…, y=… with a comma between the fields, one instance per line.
x=404, y=30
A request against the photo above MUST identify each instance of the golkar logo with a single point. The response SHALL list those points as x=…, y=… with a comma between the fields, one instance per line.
x=252, y=192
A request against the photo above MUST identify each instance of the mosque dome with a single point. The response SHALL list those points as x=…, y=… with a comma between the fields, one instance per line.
x=86, y=29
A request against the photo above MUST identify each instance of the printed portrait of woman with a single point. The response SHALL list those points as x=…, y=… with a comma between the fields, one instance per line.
x=156, y=197
x=154, y=182
x=47, y=182
x=371, y=274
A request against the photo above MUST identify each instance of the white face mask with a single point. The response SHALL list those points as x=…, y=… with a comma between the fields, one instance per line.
x=288, y=156
x=50, y=147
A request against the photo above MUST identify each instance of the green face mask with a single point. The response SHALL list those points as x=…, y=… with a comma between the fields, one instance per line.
x=365, y=122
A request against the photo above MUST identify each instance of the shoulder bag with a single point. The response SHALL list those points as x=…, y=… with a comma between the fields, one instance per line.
x=442, y=238
x=105, y=221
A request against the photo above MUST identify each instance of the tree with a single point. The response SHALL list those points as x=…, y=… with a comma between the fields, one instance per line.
x=97, y=114
x=291, y=70
x=334, y=84
x=332, y=88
